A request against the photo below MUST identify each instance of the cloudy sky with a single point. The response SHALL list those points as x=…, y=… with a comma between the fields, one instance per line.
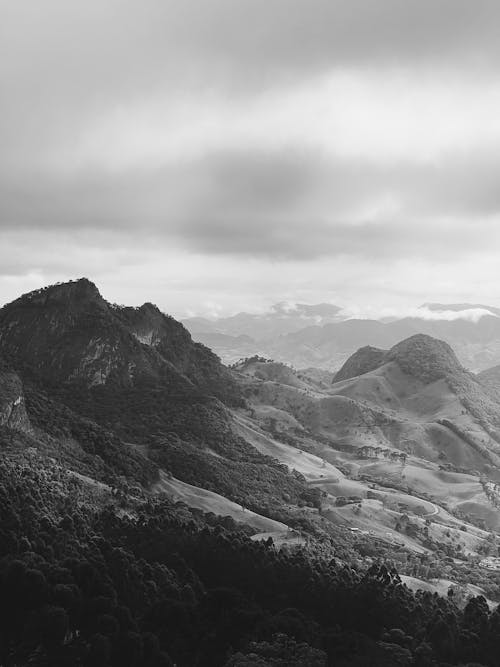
x=220, y=155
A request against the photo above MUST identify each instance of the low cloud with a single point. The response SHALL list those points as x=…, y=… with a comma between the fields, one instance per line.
x=471, y=314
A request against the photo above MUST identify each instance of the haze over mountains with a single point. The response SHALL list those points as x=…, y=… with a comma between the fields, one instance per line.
x=325, y=335
x=158, y=456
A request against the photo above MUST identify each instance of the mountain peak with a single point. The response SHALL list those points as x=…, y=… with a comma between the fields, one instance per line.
x=364, y=360
x=424, y=357
x=68, y=333
x=150, y=307
x=427, y=358
x=73, y=292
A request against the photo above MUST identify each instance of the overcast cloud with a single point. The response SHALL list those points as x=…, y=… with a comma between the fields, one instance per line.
x=220, y=154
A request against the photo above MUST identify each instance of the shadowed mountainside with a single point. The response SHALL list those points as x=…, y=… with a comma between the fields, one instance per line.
x=131, y=387
x=68, y=332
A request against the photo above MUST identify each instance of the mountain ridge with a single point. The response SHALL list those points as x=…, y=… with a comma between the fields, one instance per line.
x=474, y=337
x=156, y=389
x=92, y=341
x=420, y=355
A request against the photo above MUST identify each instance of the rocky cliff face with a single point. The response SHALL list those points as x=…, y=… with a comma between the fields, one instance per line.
x=12, y=406
x=63, y=333
x=173, y=342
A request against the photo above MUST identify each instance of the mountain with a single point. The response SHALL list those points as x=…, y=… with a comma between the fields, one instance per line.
x=159, y=508
x=363, y=361
x=69, y=333
x=282, y=318
x=133, y=380
x=425, y=358
x=473, y=330
x=420, y=356
x=411, y=417
x=477, y=343
x=431, y=361
x=248, y=334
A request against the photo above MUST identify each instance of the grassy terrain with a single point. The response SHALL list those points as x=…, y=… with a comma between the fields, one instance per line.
x=381, y=443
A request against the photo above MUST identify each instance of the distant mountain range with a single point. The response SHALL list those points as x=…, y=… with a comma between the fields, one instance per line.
x=323, y=336
x=282, y=318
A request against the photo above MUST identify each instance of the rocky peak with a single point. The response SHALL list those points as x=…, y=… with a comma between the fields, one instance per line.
x=152, y=327
x=150, y=308
x=71, y=294
x=60, y=332
x=173, y=342
x=68, y=332
x=12, y=407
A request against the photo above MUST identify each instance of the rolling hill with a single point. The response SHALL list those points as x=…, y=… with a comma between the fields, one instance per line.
x=409, y=417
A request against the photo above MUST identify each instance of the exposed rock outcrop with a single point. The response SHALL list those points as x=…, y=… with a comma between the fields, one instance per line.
x=12, y=407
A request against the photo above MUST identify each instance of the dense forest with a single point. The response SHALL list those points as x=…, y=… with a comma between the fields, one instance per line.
x=94, y=575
